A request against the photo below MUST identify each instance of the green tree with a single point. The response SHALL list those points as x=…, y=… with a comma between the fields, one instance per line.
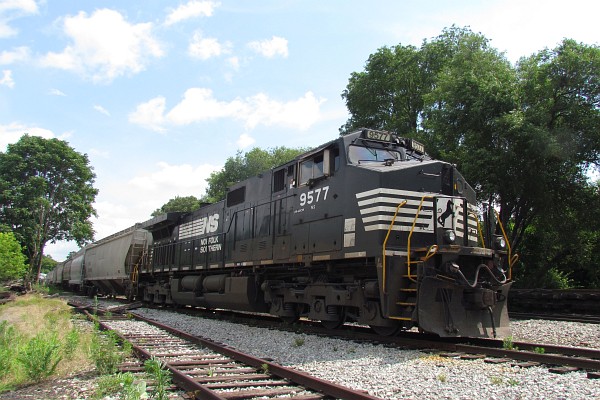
x=46, y=195
x=245, y=166
x=388, y=95
x=48, y=264
x=560, y=250
x=12, y=260
x=181, y=204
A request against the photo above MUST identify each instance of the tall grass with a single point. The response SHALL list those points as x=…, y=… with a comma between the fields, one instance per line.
x=105, y=352
x=8, y=343
x=38, y=340
x=40, y=356
x=162, y=378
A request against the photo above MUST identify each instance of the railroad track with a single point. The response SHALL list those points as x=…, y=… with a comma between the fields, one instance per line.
x=588, y=319
x=558, y=358
x=525, y=353
x=209, y=370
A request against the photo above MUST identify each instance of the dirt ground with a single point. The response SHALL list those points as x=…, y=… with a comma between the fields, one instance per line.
x=80, y=386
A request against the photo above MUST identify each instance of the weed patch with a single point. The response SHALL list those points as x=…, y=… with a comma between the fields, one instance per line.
x=161, y=377
x=40, y=356
x=105, y=352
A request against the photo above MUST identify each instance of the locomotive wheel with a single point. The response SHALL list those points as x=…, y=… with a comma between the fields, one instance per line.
x=331, y=325
x=335, y=324
x=388, y=330
x=290, y=319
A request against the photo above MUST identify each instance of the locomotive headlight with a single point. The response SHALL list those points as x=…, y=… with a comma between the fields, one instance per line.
x=449, y=236
x=499, y=243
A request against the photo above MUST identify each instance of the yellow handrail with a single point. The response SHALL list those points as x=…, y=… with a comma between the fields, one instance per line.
x=479, y=231
x=511, y=259
x=385, y=242
x=134, y=274
x=412, y=228
x=431, y=252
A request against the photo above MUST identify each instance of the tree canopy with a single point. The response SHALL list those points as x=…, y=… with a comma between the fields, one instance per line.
x=181, y=204
x=244, y=166
x=12, y=260
x=523, y=135
x=46, y=195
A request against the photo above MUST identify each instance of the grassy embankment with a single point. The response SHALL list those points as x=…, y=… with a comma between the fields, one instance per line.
x=41, y=339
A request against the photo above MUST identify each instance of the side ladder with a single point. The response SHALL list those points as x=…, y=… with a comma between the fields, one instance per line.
x=137, y=256
x=409, y=278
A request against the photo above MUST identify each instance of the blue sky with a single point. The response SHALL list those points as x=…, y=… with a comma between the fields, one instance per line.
x=160, y=93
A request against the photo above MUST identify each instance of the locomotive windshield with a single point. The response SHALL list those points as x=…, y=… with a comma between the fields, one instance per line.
x=381, y=146
x=358, y=154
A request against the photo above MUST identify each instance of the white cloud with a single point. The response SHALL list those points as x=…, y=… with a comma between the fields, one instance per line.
x=245, y=141
x=60, y=250
x=299, y=114
x=234, y=62
x=6, y=79
x=104, y=46
x=18, y=54
x=509, y=22
x=99, y=153
x=146, y=192
x=13, y=9
x=101, y=110
x=191, y=9
x=205, y=48
x=169, y=178
x=56, y=92
x=270, y=48
x=24, y=6
x=11, y=133
x=150, y=114
x=199, y=104
x=123, y=203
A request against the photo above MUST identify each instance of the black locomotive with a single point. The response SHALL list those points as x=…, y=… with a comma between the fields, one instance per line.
x=365, y=228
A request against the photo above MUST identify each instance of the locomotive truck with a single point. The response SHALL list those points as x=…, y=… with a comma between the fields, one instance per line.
x=365, y=228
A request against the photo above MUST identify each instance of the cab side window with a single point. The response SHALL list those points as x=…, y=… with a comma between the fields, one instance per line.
x=314, y=168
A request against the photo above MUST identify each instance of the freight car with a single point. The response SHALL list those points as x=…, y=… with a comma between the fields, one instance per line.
x=365, y=228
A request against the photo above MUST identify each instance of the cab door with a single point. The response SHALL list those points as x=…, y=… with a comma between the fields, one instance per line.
x=283, y=185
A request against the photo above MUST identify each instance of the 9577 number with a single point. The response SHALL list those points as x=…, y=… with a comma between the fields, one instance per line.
x=313, y=196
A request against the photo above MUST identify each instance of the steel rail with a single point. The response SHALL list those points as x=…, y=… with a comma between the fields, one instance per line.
x=181, y=380
x=298, y=377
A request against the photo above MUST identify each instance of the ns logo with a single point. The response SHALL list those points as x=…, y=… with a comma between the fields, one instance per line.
x=208, y=224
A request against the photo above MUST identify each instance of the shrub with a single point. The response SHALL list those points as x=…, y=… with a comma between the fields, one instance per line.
x=123, y=384
x=8, y=343
x=106, y=353
x=508, y=343
x=71, y=342
x=40, y=356
x=161, y=377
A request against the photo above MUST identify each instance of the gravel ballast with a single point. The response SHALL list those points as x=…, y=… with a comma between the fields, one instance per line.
x=400, y=374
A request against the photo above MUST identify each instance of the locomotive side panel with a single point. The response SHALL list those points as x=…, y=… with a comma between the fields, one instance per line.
x=198, y=242
x=248, y=210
